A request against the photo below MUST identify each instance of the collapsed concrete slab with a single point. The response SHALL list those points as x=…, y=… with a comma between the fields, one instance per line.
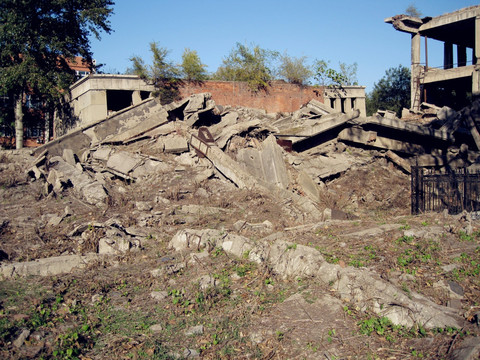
x=46, y=267
x=360, y=287
x=92, y=191
x=266, y=163
x=370, y=138
x=315, y=127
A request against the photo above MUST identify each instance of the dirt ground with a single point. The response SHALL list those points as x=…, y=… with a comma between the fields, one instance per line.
x=151, y=304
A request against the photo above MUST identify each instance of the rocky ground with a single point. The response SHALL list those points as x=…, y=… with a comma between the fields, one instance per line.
x=182, y=263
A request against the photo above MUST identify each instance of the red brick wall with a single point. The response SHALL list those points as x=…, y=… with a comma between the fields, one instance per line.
x=279, y=97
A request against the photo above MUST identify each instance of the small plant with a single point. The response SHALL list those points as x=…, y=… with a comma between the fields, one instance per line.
x=331, y=334
x=217, y=252
x=69, y=345
x=375, y=324
x=242, y=270
x=405, y=239
x=292, y=246
x=465, y=237
x=416, y=353
x=312, y=347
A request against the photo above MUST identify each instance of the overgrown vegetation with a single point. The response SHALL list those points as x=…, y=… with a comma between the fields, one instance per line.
x=161, y=72
x=392, y=92
x=251, y=64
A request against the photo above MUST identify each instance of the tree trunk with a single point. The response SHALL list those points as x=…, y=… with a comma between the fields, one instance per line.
x=19, y=121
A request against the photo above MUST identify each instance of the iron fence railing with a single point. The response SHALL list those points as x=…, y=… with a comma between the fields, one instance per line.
x=454, y=190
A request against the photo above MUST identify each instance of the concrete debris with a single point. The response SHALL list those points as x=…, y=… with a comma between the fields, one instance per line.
x=175, y=144
x=63, y=175
x=292, y=158
x=317, y=135
x=21, y=338
x=47, y=266
x=266, y=162
x=361, y=287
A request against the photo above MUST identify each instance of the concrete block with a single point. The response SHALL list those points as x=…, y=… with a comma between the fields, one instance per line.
x=123, y=162
x=69, y=156
x=102, y=153
x=175, y=144
x=273, y=163
x=309, y=186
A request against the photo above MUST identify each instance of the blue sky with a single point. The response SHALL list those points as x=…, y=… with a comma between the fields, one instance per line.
x=345, y=31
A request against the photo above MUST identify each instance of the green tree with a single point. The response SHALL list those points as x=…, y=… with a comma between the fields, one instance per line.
x=162, y=73
x=192, y=67
x=249, y=64
x=349, y=73
x=392, y=92
x=294, y=70
x=327, y=76
x=36, y=39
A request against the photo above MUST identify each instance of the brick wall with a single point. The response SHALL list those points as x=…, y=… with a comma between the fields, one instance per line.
x=279, y=97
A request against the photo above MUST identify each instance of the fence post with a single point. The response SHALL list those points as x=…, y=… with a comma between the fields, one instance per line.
x=417, y=190
x=465, y=192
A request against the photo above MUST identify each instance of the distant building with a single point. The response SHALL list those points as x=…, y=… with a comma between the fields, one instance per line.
x=80, y=66
x=458, y=79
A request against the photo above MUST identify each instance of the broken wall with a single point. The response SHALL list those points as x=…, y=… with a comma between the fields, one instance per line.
x=279, y=97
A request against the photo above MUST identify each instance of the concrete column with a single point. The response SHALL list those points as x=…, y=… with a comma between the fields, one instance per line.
x=476, y=81
x=362, y=106
x=462, y=55
x=416, y=71
x=348, y=105
x=447, y=55
x=476, y=50
x=136, y=97
x=476, y=57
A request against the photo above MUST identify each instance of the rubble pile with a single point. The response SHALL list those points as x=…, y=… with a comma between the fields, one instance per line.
x=192, y=179
x=290, y=155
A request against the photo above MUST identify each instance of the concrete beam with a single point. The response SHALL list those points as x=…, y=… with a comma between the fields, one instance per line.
x=410, y=127
x=326, y=122
x=399, y=161
x=157, y=119
x=405, y=23
x=359, y=136
x=436, y=75
x=453, y=17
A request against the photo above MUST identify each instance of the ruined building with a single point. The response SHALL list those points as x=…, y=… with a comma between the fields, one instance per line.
x=100, y=95
x=458, y=79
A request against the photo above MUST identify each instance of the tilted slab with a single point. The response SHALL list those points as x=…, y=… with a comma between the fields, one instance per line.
x=325, y=123
x=370, y=138
x=409, y=127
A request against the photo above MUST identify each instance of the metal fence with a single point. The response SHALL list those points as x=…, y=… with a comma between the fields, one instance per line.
x=455, y=190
